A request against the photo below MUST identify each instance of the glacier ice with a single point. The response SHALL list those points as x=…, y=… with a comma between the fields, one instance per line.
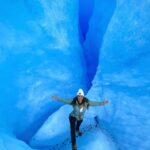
x=55, y=132
x=123, y=75
x=46, y=47
x=40, y=56
x=7, y=142
x=98, y=22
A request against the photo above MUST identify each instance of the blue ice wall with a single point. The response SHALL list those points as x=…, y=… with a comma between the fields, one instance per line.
x=123, y=75
x=86, y=8
x=40, y=56
x=98, y=22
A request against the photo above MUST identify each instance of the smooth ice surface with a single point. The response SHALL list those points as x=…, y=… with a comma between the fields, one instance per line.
x=123, y=76
x=40, y=56
x=55, y=133
x=46, y=48
x=54, y=130
x=8, y=142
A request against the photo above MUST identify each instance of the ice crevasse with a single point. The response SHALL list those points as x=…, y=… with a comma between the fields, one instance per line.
x=55, y=47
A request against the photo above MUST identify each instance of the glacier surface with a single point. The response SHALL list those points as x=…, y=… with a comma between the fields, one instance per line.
x=55, y=47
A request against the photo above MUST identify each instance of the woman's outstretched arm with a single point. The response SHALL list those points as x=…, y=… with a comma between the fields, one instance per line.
x=93, y=103
x=67, y=101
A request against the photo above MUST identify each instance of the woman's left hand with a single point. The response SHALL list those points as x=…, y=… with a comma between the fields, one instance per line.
x=105, y=101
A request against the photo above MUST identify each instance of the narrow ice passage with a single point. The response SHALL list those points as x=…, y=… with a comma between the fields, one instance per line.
x=94, y=18
x=55, y=133
x=54, y=47
x=88, y=13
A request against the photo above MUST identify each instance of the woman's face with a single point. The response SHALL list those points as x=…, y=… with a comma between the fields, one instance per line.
x=80, y=98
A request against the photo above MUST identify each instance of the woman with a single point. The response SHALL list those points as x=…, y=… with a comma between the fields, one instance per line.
x=80, y=105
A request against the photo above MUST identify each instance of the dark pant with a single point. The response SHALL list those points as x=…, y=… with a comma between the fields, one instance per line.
x=74, y=126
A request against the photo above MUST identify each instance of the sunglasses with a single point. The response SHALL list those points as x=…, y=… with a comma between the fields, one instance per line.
x=80, y=96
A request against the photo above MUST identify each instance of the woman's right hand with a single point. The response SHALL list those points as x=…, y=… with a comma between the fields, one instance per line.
x=54, y=97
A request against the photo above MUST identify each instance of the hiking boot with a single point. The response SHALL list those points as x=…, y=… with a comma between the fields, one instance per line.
x=74, y=147
x=79, y=133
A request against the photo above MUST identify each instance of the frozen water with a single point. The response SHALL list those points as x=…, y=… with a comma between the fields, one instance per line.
x=40, y=56
x=46, y=48
x=123, y=76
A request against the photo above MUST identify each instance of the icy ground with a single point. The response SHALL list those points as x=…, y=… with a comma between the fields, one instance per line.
x=54, y=47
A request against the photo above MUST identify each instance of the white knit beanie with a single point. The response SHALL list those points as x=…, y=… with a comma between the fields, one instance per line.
x=80, y=92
